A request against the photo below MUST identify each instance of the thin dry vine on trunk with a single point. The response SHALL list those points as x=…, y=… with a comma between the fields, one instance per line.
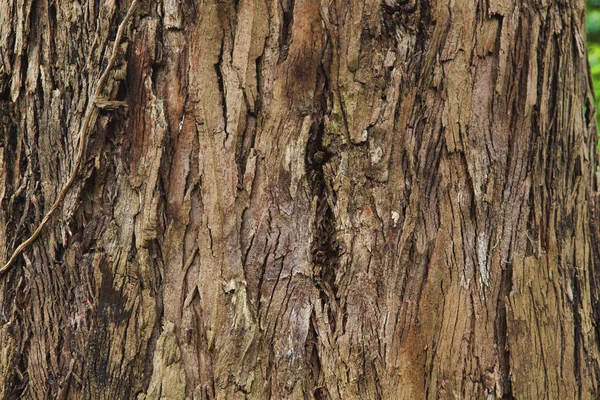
x=89, y=119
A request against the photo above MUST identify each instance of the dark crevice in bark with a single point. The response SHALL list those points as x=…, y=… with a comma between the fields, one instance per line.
x=502, y=331
x=410, y=16
x=577, y=333
x=285, y=37
x=472, y=198
x=155, y=72
x=221, y=84
x=246, y=143
x=156, y=286
x=15, y=299
x=8, y=125
x=53, y=20
x=531, y=228
x=281, y=261
x=258, y=101
x=261, y=279
x=423, y=261
x=325, y=247
x=432, y=166
x=425, y=25
x=5, y=94
x=594, y=270
x=313, y=359
x=506, y=287
x=243, y=146
x=20, y=376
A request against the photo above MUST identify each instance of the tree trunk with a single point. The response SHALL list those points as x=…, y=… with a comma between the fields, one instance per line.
x=302, y=199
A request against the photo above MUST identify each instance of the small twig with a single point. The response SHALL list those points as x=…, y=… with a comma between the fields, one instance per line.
x=533, y=245
x=91, y=113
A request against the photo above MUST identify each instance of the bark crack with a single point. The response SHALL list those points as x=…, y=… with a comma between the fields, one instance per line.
x=222, y=88
x=325, y=247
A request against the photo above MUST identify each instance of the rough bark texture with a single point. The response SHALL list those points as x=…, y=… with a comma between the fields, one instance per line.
x=303, y=199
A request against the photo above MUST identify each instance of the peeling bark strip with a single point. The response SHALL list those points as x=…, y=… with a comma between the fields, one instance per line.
x=302, y=199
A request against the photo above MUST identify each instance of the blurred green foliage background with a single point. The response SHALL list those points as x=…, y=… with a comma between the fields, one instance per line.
x=593, y=42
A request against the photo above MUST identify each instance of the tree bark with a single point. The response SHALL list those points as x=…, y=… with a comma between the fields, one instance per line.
x=300, y=199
